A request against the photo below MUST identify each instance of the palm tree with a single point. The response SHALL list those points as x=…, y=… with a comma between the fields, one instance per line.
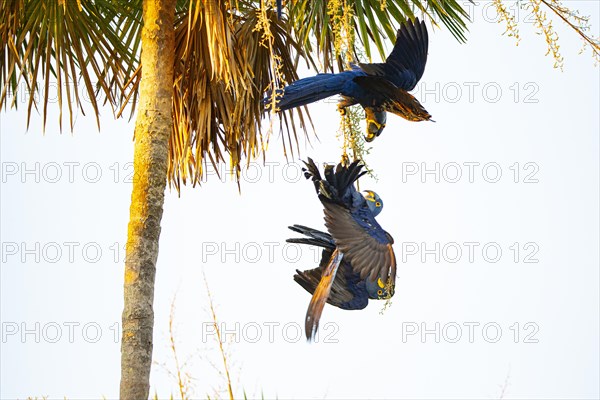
x=197, y=72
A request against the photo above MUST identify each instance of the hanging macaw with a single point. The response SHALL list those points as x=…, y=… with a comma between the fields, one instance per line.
x=378, y=88
x=356, y=243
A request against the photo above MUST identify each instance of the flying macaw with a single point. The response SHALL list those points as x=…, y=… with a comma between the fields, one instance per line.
x=357, y=243
x=378, y=88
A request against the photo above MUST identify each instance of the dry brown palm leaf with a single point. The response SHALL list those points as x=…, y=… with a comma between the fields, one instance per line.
x=223, y=69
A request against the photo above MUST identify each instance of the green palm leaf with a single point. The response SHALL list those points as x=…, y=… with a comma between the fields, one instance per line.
x=374, y=21
x=226, y=62
x=63, y=49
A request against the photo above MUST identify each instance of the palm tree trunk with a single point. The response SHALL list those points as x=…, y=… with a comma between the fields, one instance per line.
x=152, y=129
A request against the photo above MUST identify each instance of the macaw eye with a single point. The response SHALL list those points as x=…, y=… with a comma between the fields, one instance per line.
x=380, y=292
x=377, y=204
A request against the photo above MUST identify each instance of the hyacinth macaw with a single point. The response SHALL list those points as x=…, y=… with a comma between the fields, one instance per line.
x=356, y=244
x=379, y=88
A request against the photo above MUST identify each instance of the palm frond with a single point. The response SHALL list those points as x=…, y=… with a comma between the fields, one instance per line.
x=223, y=70
x=228, y=56
x=63, y=50
x=374, y=21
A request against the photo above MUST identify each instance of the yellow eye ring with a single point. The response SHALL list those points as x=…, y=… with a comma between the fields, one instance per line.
x=377, y=124
x=380, y=292
x=377, y=204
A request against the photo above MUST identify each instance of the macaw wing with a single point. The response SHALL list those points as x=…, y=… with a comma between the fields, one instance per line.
x=363, y=242
x=313, y=237
x=390, y=97
x=346, y=290
x=405, y=65
x=338, y=183
x=346, y=293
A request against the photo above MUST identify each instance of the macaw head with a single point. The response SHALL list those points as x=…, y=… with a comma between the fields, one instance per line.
x=374, y=202
x=378, y=289
x=376, y=120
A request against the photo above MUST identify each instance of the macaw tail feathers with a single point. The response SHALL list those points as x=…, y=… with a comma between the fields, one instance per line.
x=317, y=303
x=311, y=89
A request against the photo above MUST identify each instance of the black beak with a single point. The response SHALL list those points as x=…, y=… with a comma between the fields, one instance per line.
x=375, y=123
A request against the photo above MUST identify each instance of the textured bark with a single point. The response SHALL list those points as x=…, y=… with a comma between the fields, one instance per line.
x=152, y=129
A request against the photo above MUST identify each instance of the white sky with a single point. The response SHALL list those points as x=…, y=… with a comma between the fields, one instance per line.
x=543, y=124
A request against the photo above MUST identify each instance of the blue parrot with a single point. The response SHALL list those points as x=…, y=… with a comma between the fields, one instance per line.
x=378, y=88
x=356, y=242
